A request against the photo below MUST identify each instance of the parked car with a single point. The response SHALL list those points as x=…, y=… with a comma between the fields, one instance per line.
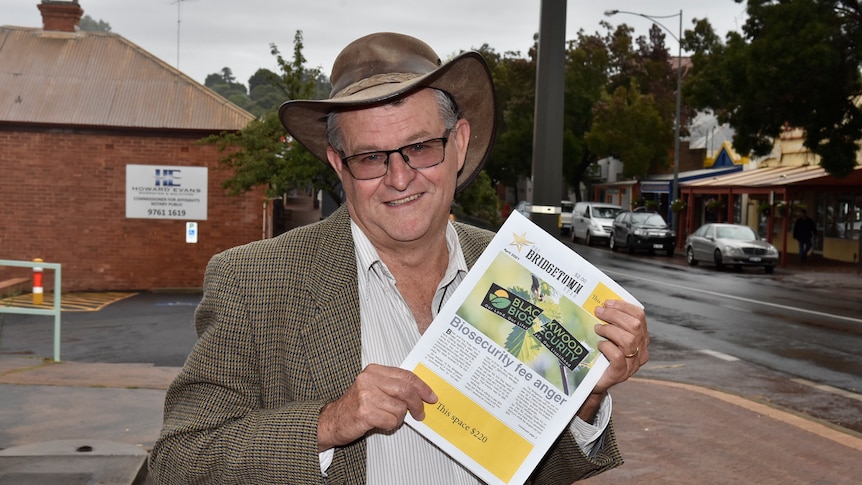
x=730, y=245
x=593, y=221
x=524, y=208
x=642, y=230
x=565, y=221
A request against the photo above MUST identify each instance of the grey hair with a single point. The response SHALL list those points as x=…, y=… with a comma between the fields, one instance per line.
x=445, y=103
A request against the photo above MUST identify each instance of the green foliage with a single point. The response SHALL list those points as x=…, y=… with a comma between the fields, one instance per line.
x=634, y=124
x=514, y=81
x=628, y=126
x=479, y=200
x=797, y=65
x=89, y=24
x=261, y=154
x=225, y=84
x=587, y=65
x=266, y=97
x=297, y=81
x=596, y=66
x=633, y=120
x=521, y=342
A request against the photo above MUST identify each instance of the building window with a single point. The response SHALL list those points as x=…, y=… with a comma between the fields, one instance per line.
x=842, y=216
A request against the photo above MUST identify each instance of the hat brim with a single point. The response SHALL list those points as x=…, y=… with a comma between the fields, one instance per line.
x=466, y=78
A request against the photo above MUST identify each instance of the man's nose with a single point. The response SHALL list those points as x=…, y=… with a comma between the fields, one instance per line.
x=400, y=173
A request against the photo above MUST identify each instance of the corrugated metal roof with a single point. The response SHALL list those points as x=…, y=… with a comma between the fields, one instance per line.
x=102, y=79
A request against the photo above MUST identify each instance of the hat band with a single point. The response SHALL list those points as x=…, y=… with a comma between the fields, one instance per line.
x=376, y=80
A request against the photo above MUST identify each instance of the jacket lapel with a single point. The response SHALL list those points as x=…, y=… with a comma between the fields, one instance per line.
x=335, y=329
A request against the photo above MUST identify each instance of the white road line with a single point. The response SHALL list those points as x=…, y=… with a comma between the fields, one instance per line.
x=830, y=389
x=739, y=298
x=735, y=308
x=718, y=355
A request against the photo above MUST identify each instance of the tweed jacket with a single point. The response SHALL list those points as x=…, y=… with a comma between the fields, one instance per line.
x=279, y=337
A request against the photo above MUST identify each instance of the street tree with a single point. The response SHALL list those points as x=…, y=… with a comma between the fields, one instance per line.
x=261, y=154
x=514, y=80
x=479, y=200
x=796, y=65
x=632, y=116
x=627, y=125
x=225, y=84
x=263, y=90
x=587, y=64
x=596, y=67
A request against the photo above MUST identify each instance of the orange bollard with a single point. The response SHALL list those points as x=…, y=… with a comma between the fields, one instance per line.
x=37, y=283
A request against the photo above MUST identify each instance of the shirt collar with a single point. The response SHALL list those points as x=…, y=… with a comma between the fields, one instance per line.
x=367, y=256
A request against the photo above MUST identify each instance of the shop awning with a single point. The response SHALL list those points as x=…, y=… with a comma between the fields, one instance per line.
x=660, y=184
x=763, y=180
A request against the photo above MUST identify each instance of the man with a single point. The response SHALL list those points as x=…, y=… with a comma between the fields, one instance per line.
x=295, y=376
x=803, y=231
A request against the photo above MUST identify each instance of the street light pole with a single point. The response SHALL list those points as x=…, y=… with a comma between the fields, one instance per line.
x=674, y=188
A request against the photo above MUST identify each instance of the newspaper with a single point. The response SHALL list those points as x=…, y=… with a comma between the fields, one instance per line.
x=513, y=353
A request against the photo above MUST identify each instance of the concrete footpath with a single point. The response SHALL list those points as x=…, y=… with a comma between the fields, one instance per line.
x=81, y=423
x=70, y=423
x=78, y=423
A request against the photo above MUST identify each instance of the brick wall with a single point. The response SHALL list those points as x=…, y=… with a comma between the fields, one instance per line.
x=62, y=199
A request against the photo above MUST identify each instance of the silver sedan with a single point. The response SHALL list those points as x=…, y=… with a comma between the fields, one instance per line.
x=730, y=245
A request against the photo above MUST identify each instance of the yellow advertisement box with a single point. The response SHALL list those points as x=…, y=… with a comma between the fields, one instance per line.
x=598, y=297
x=473, y=430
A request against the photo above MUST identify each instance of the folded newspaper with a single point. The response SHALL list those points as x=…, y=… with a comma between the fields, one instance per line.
x=513, y=354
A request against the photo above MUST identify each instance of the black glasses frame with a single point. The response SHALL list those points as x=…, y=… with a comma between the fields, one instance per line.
x=443, y=139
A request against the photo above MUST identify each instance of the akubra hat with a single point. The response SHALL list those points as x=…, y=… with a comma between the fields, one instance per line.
x=383, y=67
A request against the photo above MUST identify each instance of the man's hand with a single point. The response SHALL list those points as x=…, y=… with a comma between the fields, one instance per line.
x=626, y=348
x=379, y=398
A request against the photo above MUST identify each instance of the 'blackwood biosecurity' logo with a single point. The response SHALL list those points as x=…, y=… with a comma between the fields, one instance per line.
x=562, y=344
x=513, y=308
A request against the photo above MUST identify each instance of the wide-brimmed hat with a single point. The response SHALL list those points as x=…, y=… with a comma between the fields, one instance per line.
x=385, y=66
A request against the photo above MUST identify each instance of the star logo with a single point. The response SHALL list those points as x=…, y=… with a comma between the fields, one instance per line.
x=520, y=241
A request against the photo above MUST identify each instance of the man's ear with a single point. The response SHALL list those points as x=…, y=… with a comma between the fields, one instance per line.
x=334, y=161
x=461, y=133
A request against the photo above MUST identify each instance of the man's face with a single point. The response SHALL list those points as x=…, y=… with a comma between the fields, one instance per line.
x=405, y=206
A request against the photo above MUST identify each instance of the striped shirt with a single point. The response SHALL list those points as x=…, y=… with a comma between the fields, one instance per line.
x=389, y=332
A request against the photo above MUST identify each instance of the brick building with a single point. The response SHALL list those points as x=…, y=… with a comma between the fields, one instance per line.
x=78, y=112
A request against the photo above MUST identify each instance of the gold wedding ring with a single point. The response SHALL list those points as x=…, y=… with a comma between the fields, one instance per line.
x=633, y=354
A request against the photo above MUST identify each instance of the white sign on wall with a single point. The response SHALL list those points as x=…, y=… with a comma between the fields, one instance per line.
x=166, y=192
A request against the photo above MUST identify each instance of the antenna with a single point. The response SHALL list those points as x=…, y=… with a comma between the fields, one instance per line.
x=179, y=16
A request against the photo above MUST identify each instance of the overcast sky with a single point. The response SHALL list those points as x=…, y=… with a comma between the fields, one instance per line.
x=237, y=33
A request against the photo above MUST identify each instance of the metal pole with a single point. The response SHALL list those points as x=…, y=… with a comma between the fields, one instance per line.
x=673, y=194
x=675, y=187
x=548, y=122
x=58, y=296
x=58, y=310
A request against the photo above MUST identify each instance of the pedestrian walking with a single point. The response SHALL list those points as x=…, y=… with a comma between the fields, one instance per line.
x=804, y=230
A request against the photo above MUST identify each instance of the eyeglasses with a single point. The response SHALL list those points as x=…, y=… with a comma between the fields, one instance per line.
x=418, y=156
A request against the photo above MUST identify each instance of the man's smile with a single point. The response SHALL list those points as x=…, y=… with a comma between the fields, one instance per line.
x=404, y=200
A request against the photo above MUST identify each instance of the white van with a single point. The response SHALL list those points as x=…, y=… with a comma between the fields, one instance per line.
x=592, y=221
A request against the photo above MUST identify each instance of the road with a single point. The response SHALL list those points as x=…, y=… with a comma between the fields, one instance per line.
x=766, y=337
x=155, y=328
